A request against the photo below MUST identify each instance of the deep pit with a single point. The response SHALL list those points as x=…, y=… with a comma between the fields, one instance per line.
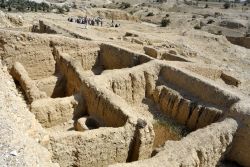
x=109, y=105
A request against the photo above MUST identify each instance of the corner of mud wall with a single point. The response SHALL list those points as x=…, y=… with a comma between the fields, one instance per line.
x=240, y=148
x=142, y=143
x=71, y=71
x=199, y=88
x=103, y=107
x=114, y=57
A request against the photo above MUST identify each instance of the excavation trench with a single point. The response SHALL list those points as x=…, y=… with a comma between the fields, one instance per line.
x=109, y=105
x=129, y=118
x=72, y=110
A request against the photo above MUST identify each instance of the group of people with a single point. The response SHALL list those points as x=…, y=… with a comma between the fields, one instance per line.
x=87, y=21
x=91, y=21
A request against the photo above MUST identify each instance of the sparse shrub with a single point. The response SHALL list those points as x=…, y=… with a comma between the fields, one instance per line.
x=44, y=6
x=93, y=5
x=125, y=5
x=150, y=14
x=25, y=5
x=165, y=22
x=226, y=5
x=60, y=10
x=161, y=1
x=210, y=21
x=197, y=27
x=167, y=15
x=219, y=32
x=216, y=14
x=206, y=16
x=2, y=5
x=74, y=5
x=206, y=6
x=36, y=6
x=66, y=8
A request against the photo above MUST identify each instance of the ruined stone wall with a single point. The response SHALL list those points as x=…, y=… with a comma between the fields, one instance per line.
x=103, y=107
x=99, y=147
x=87, y=53
x=50, y=112
x=43, y=28
x=20, y=130
x=35, y=52
x=71, y=70
x=159, y=82
x=240, y=148
x=132, y=84
x=193, y=114
x=53, y=86
x=28, y=85
x=204, y=147
x=31, y=50
x=103, y=146
x=198, y=88
x=113, y=57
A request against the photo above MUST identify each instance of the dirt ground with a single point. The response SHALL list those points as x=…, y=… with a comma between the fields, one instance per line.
x=200, y=47
x=188, y=37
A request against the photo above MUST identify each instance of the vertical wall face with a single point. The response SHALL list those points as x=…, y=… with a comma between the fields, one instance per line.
x=70, y=70
x=33, y=52
x=86, y=53
x=51, y=112
x=198, y=88
x=129, y=86
x=240, y=148
x=99, y=147
x=102, y=107
x=53, y=86
x=112, y=57
x=137, y=109
x=204, y=147
x=142, y=83
x=29, y=87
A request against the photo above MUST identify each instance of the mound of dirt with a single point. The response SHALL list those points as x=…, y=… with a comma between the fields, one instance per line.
x=114, y=14
x=7, y=20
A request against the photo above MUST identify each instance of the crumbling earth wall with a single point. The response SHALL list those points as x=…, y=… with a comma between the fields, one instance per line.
x=127, y=83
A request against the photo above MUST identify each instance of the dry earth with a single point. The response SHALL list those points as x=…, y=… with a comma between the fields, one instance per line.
x=136, y=95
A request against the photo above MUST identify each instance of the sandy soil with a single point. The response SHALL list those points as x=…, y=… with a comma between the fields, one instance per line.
x=205, y=51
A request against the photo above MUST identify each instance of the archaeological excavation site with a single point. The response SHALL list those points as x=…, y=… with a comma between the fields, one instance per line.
x=136, y=95
x=99, y=104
